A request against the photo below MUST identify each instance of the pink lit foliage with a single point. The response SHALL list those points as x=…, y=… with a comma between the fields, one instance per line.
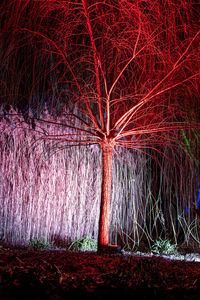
x=54, y=195
x=130, y=68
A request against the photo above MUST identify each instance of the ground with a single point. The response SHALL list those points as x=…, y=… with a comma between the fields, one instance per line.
x=45, y=274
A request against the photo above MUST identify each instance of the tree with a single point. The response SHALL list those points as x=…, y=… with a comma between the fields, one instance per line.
x=131, y=69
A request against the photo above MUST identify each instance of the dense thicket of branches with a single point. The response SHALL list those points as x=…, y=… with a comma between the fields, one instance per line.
x=52, y=192
x=46, y=51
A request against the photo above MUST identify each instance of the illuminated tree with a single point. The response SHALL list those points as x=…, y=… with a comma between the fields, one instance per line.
x=128, y=70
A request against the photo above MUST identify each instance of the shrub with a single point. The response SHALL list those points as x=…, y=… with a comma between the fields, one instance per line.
x=38, y=244
x=164, y=246
x=83, y=244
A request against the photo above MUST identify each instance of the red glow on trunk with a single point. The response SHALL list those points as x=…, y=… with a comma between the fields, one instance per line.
x=107, y=149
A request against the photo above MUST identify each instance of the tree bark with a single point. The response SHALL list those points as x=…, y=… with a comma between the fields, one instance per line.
x=103, y=238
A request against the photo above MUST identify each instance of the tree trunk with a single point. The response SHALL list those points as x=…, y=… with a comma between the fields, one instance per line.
x=103, y=238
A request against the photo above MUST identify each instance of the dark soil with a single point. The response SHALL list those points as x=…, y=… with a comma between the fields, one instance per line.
x=29, y=274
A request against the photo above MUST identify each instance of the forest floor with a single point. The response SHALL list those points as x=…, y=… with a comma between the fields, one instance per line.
x=45, y=274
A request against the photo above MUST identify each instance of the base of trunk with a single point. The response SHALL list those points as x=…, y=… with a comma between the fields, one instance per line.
x=109, y=249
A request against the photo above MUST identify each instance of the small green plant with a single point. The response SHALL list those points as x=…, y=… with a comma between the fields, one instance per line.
x=164, y=246
x=83, y=244
x=38, y=244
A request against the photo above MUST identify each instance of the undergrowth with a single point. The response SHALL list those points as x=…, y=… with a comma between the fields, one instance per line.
x=38, y=244
x=164, y=246
x=83, y=244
